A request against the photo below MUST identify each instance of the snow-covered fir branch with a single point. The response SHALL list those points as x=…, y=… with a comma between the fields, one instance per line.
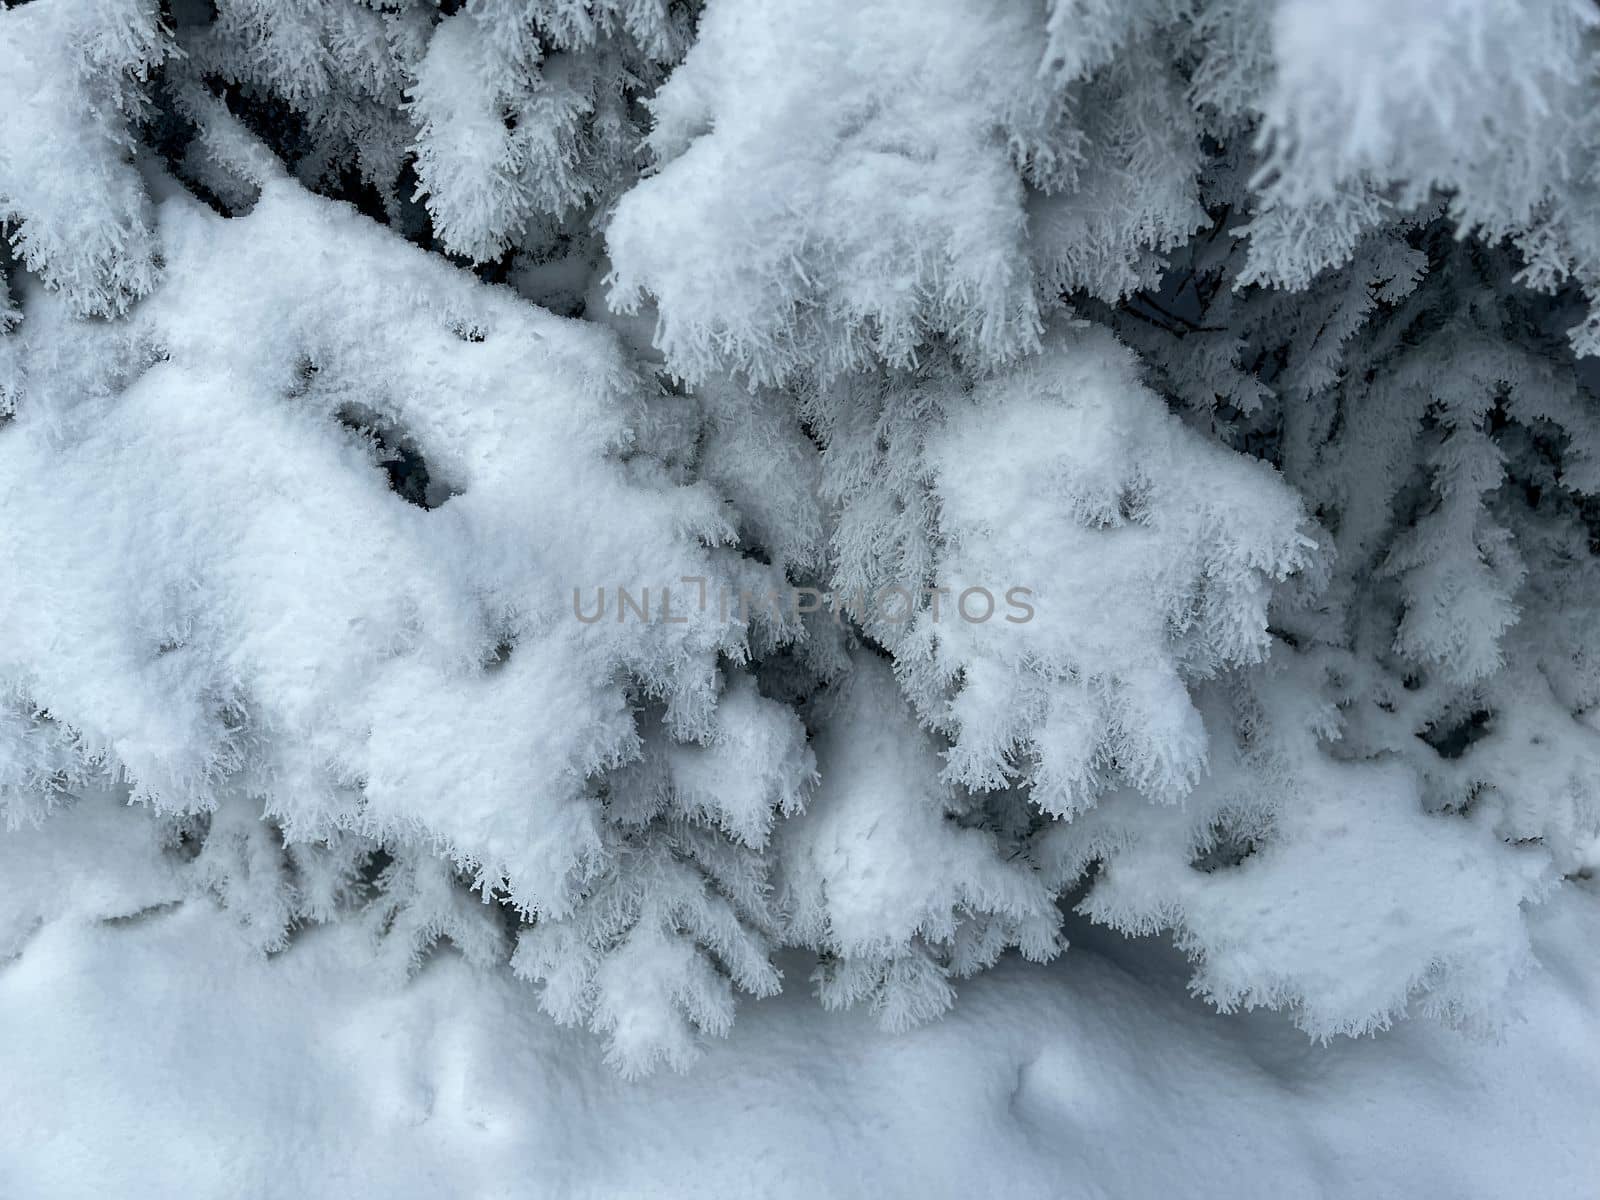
x=344, y=342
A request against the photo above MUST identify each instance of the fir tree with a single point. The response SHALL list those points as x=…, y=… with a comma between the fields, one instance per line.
x=1135, y=452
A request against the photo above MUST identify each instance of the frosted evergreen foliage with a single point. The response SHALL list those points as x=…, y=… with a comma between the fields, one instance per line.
x=1148, y=556
x=894, y=927
x=77, y=211
x=679, y=500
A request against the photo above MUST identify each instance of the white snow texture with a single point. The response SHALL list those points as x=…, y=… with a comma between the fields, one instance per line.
x=751, y=598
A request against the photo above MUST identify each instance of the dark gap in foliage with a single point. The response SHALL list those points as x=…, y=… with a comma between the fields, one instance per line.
x=188, y=14
x=379, y=861
x=1589, y=513
x=288, y=134
x=144, y=915
x=1078, y=891
x=1225, y=849
x=501, y=655
x=1453, y=740
x=190, y=837
x=1263, y=441
x=511, y=919
x=873, y=646
x=354, y=188
x=399, y=456
x=171, y=135
x=494, y=270
x=285, y=131
x=410, y=217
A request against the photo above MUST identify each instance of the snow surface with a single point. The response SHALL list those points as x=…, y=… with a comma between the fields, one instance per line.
x=157, y=1056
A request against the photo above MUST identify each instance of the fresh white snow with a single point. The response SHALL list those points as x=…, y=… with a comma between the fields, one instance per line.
x=160, y=1057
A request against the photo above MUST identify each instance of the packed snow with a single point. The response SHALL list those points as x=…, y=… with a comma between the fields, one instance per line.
x=156, y=1055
